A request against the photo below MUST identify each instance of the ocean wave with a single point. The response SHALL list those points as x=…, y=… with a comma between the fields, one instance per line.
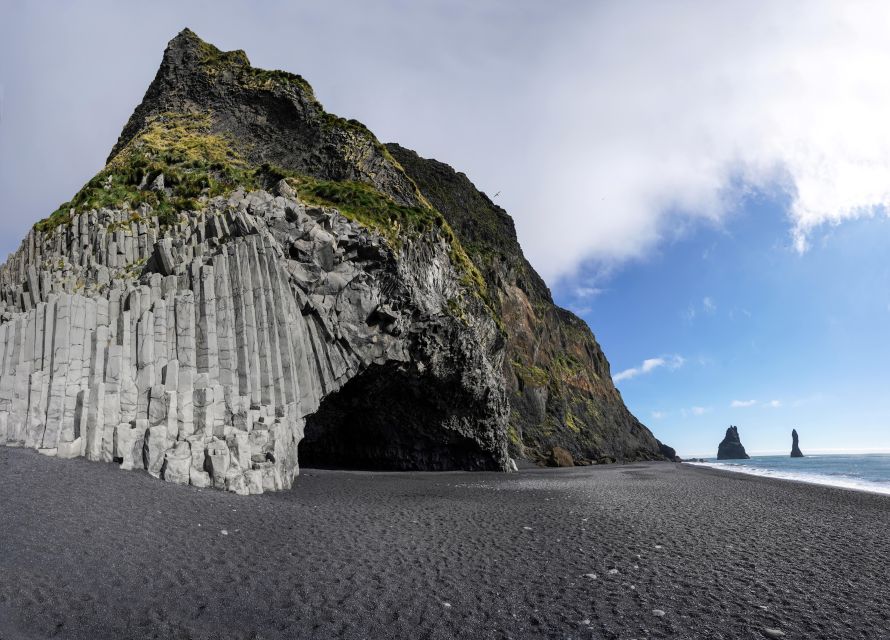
x=825, y=479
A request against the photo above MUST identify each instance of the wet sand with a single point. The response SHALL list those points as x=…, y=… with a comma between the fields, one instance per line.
x=89, y=551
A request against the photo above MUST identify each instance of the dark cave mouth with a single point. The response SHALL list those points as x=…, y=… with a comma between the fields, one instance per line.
x=386, y=419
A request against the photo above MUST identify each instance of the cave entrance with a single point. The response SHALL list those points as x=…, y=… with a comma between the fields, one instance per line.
x=387, y=419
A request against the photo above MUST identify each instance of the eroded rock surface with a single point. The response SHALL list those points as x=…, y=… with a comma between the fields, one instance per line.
x=557, y=376
x=730, y=447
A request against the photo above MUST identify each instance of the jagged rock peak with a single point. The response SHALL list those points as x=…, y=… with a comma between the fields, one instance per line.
x=795, y=447
x=731, y=447
x=269, y=117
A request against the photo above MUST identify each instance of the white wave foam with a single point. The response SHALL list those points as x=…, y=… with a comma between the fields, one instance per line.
x=838, y=481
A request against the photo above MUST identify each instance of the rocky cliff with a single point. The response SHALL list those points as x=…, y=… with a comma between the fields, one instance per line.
x=251, y=281
x=730, y=448
x=561, y=392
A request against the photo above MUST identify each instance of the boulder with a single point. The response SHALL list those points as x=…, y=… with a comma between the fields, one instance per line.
x=559, y=457
x=178, y=464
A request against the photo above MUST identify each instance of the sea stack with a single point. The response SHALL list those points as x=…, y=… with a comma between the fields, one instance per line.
x=731, y=447
x=795, y=449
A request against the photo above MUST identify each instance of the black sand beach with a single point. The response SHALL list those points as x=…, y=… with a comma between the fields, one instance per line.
x=89, y=551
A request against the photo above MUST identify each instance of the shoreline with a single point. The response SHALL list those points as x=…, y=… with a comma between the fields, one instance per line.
x=812, y=479
x=644, y=550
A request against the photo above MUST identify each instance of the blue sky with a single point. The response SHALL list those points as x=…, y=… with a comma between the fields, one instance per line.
x=751, y=333
x=705, y=183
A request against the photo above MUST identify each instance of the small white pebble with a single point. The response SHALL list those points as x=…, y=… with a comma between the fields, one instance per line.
x=633, y=588
x=658, y=546
x=636, y=567
x=592, y=576
x=224, y=532
x=447, y=605
x=527, y=528
x=585, y=621
x=612, y=572
x=658, y=613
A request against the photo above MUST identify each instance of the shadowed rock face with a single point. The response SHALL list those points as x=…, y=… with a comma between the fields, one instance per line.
x=795, y=448
x=563, y=402
x=731, y=447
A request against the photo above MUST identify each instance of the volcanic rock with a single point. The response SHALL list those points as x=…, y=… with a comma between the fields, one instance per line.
x=557, y=377
x=731, y=447
x=795, y=449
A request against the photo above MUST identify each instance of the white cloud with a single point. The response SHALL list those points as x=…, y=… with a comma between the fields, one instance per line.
x=699, y=411
x=708, y=305
x=658, y=415
x=588, y=292
x=744, y=404
x=649, y=365
x=662, y=114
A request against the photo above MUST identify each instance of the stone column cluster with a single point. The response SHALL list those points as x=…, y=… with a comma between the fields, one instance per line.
x=184, y=352
x=197, y=350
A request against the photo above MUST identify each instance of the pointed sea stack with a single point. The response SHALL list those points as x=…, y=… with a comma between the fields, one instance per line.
x=795, y=449
x=731, y=448
x=251, y=279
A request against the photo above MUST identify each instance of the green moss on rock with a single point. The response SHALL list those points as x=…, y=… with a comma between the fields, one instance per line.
x=193, y=162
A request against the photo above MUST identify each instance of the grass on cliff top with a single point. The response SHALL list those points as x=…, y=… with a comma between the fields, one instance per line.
x=193, y=161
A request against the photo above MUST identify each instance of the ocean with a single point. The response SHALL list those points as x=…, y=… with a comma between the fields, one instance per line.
x=864, y=472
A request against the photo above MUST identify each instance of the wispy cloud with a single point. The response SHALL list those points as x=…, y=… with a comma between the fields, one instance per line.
x=694, y=411
x=588, y=292
x=744, y=404
x=649, y=365
x=708, y=305
x=658, y=415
